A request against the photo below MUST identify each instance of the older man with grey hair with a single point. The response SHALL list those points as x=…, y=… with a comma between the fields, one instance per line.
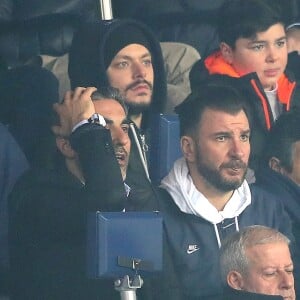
x=257, y=260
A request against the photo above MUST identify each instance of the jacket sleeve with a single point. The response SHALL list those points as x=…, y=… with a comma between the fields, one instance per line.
x=100, y=168
x=57, y=202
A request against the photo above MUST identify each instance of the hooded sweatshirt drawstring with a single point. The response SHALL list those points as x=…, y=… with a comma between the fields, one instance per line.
x=217, y=231
x=236, y=224
x=217, y=235
x=180, y=186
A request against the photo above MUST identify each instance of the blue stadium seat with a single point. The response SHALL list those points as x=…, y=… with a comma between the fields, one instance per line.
x=165, y=145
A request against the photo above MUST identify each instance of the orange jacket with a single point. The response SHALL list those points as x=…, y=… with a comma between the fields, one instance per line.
x=215, y=64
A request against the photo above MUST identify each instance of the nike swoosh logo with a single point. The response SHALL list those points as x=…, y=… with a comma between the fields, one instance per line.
x=190, y=251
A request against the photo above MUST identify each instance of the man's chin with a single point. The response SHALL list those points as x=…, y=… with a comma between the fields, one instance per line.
x=230, y=182
x=136, y=108
x=238, y=177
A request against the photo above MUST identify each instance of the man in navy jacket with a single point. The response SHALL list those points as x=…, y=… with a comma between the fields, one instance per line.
x=206, y=196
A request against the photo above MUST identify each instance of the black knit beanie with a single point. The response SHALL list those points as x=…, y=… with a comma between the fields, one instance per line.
x=122, y=37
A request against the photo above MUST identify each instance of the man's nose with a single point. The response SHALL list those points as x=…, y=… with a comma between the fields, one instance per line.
x=139, y=70
x=237, y=148
x=121, y=137
x=286, y=280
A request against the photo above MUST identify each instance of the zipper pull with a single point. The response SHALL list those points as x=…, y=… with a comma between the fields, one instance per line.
x=145, y=147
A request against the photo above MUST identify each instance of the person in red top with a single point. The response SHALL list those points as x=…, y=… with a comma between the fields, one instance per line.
x=252, y=56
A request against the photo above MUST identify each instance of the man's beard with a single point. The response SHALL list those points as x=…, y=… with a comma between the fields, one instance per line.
x=137, y=108
x=214, y=176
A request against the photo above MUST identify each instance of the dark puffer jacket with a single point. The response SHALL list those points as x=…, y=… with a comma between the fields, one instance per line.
x=48, y=221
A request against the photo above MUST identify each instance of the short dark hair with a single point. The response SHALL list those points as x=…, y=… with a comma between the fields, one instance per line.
x=245, y=18
x=281, y=138
x=105, y=92
x=211, y=95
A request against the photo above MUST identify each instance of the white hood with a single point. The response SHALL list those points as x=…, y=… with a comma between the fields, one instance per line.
x=180, y=186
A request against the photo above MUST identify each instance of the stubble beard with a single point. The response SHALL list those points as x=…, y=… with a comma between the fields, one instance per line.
x=215, y=178
x=137, y=108
x=134, y=107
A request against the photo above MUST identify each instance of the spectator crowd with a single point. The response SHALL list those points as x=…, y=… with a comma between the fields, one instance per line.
x=77, y=133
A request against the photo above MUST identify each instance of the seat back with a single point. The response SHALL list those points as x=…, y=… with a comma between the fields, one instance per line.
x=117, y=244
x=33, y=27
x=165, y=146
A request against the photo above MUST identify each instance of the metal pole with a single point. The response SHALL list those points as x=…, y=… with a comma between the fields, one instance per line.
x=128, y=295
x=106, y=10
x=127, y=287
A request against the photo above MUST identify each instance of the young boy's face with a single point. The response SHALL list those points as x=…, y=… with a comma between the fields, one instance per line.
x=266, y=54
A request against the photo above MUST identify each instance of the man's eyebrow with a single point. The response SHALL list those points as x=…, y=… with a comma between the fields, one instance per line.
x=246, y=131
x=229, y=132
x=290, y=265
x=147, y=54
x=124, y=121
x=281, y=39
x=217, y=133
x=108, y=121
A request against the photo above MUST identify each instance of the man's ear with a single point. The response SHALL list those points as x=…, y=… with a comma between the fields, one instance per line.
x=235, y=280
x=65, y=148
x=275, y=165
x=188, y=148
x=226, y=52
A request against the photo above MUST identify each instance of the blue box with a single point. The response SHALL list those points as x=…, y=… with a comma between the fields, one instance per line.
x=164, y=147
x=121, y=243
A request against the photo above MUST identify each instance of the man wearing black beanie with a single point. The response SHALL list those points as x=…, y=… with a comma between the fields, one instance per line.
x=126, y=55
x=92, y=62
x=128, y=62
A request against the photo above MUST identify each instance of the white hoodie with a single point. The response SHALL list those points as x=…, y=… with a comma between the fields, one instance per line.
x=180, y=186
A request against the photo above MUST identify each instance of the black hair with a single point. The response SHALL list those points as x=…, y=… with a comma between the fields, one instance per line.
x=281, y=138
x=105, y=92
x=109, y=92
x=56, y=158
x=245, y=18
x=212, y=95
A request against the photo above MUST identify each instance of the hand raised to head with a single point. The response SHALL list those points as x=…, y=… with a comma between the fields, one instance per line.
x=76, y=107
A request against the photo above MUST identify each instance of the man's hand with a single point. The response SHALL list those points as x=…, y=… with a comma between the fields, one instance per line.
x=76, y=107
